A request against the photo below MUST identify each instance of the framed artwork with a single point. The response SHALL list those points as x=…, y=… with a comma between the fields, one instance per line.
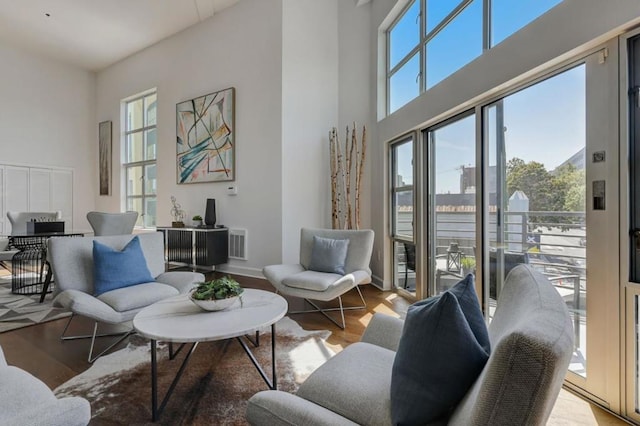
x=205, y=145
x=104, y=157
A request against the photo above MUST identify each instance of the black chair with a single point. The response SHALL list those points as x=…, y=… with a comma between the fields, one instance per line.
x=410, y=261
x=511, y=260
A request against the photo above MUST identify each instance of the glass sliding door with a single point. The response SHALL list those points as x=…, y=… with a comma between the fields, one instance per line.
x=536, y=179
x=451, y=159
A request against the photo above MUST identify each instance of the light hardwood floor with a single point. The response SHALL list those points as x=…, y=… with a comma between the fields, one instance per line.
x=38, y=349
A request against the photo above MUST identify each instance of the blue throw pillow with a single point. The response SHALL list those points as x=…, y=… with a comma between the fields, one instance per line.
x=328, y=255
x=114, y=269
x=443, y=349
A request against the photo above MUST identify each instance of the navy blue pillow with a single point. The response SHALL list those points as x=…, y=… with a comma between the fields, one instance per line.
x=114, y=269
x=328, y=255
x=443, y=349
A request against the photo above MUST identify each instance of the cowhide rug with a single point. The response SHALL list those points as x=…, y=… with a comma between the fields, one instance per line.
x=215, y=386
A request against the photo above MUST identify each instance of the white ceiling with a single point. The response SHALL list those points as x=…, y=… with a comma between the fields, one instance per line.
x=94, y=34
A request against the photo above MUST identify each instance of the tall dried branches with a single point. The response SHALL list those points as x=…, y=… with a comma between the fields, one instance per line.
x=346, y=183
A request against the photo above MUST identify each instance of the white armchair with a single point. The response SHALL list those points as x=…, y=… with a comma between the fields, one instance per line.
x=112, y=223
x=25, y=400
x=301, y=280
x=19, y=220
x=72, y=263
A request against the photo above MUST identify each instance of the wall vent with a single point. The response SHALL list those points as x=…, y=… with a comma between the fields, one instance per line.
x=238, y=244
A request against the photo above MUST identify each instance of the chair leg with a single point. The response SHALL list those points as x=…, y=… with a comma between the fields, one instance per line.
x=93, y=336
x=341, y=308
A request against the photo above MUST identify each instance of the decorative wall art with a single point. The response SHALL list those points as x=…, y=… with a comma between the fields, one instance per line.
x=104, y=156
x=205, y=138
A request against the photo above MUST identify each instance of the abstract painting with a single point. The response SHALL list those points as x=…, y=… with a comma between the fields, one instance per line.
x=206, y=138
x=104, y=156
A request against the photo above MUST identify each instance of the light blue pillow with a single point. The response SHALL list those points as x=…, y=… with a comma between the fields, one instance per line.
x=114, y=269
x=328, y=255
x=443, y=348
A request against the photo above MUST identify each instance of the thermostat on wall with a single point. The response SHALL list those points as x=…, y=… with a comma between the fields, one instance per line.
x=232, y=190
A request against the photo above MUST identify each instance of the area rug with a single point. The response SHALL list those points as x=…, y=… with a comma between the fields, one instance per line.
x=17, y=311
x=215, y=386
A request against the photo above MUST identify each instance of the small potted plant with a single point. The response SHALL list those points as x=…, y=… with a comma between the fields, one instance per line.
x=217, y=294
x=197, y=220
x=468, y=265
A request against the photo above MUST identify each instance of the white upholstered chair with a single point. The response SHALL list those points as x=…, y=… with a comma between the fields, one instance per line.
x=112, y=223
x=25, y=400
x=301, y=280
x=19, y=220
x=72, y=263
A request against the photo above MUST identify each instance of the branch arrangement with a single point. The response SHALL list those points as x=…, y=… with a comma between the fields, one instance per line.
x=347, y=167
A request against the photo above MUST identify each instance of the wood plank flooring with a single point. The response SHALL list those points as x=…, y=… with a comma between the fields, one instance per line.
x=39, y=350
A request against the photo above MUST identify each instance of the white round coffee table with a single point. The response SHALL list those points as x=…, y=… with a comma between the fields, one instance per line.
x=178, y=320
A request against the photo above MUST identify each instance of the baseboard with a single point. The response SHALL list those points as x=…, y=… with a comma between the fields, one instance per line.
x=378, y=282
x=240, y=270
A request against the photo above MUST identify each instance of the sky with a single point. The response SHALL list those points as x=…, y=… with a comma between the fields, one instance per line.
x=544, y=122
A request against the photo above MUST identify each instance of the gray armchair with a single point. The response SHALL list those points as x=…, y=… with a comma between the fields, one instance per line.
x=112, y=223
x=25, y=400
x=532, y=343
x=19, y=220
x=298, y=280
x=71, y=261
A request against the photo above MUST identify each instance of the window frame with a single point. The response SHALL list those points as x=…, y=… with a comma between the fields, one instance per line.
x=426, y=37
x=144, y=197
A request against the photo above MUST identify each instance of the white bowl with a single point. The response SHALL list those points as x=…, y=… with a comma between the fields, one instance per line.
x=215, y=304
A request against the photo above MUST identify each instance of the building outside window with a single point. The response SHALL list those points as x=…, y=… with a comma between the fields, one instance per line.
x=139, y=162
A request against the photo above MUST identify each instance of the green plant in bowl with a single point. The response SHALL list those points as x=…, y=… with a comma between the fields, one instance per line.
x=197, y=217
x=217, y=294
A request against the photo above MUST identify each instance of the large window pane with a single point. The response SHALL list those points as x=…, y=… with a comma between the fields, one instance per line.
x=537, y=206
x=437, y=10
x=404, y=214
x=456, y=45
x=150, y=215
x=508, y=16
x=405, y=35
x=150, y=180
x=134, y=147
x=134, y=181
x=404, y=85
x=403, y=164
x=151, y=107
x=452, y=161
x=135, y=205
x=135, y=115
x=150, y=151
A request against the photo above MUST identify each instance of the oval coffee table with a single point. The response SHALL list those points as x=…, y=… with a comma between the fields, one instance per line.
x=178, y=320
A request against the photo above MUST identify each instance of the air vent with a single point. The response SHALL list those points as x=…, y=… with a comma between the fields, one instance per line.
x=238, y=244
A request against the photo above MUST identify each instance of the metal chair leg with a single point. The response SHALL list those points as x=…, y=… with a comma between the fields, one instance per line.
x=341, y=308
x=93, y=336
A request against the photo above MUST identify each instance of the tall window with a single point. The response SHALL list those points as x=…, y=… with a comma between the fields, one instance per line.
x=140, y=158
x=432, y=39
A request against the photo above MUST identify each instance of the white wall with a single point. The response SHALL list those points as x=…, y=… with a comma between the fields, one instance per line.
x=47, y=119
x=309, y=110
x=285, y=59
x=573, y=26
x=240, y=47
x=355, y=96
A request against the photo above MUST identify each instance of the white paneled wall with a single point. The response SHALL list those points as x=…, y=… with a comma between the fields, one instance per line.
x=31, y=188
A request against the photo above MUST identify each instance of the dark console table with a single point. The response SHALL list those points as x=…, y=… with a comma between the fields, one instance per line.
x=196, y=247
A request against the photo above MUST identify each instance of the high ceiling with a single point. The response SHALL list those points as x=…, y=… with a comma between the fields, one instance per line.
x=94, y=34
